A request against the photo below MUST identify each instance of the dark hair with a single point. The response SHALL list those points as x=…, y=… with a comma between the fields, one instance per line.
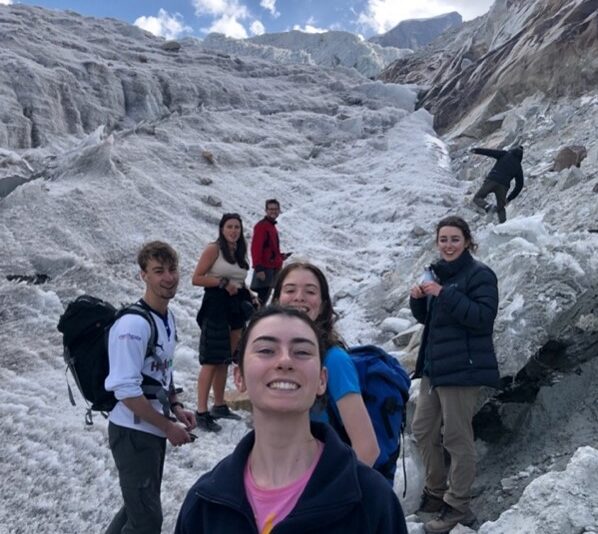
x=270, y=311
x=327, y=316
x=157, y=250
x=458, y=222
x=271, y=201
x=240, y=255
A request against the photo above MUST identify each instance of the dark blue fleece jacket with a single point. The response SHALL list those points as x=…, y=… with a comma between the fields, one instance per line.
x=457, y=347
x=343, y=496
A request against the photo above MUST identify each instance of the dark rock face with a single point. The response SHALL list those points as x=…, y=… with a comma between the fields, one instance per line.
x=9, y=183
x=417, y=33
x=492, y=62
x=171, y=46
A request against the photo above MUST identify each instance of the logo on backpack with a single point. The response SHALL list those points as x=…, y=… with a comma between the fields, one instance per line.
x=384, y=387
x=85, y=325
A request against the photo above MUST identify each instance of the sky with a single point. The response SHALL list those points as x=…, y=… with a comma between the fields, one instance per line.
x=244, y=18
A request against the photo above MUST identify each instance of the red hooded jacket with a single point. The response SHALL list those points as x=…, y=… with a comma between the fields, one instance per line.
x=265, y=247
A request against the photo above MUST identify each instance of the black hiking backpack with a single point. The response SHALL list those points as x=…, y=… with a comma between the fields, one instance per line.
x=85, y=324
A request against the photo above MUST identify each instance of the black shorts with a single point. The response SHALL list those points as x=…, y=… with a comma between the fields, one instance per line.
x=236, y=320
x=219, y=315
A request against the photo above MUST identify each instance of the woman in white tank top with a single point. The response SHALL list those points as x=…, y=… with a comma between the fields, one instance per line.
x=226, y=305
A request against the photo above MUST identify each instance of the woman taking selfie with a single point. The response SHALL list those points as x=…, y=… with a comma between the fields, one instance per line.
x=288, y=475
x=303, y=286
x=221, y=270
x=457, y=302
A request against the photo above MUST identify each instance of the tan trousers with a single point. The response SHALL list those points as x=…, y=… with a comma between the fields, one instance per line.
x=442, y=420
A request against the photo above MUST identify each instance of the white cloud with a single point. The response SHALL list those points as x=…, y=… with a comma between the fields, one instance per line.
x=164, y=25
x=257, y=28
x=6, y=2
x=470, y=9
x=231, y=9
x=229, y=26
x=229, y=12
x=383, y=15
x=270, y=5
x=308, y=28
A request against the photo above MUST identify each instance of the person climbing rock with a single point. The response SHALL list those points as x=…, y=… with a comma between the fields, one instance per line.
x=498, y=181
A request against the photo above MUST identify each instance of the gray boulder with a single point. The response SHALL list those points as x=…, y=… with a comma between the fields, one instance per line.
x=569, y=156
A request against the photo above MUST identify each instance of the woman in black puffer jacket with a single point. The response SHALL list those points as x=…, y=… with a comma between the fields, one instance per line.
x=458, y=307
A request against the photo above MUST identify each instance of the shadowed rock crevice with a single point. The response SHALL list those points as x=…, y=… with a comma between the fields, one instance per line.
x=501, y=416
x=34, y=134
x=35, y=279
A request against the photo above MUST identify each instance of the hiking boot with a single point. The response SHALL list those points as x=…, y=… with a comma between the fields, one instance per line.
x=223, y=412
x=448, y=518
x=206, y=422
x=429, y=504
x=482, y=210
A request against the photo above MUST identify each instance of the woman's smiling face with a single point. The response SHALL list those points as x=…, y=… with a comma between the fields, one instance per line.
x=301, y=290
x=451, y=243
x=282, y=370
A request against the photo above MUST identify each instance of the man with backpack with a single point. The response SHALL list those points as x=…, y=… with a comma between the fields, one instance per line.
x=266, y=257
x=141, y=421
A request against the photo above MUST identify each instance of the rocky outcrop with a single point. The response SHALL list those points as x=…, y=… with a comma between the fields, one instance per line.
x=171, y=46
x=518, y=49
x=417, y=33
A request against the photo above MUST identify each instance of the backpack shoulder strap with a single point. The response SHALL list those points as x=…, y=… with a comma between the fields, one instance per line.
x=171, y=316
x=141, y=309
x=150, y=389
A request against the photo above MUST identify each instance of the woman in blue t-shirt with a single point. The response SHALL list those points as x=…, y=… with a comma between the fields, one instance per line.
x=303, y=286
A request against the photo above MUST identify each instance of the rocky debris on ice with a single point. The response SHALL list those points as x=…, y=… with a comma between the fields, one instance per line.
x=557, y=502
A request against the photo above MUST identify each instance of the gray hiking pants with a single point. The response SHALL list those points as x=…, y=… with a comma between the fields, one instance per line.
x=500, y=192
x=442, y=420
x=139, y=458
x=263, y=288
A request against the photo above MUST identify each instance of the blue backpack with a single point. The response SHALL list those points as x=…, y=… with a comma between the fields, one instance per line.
x=385, y=390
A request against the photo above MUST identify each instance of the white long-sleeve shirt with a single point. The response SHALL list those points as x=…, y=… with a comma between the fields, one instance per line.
x=127, y=346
